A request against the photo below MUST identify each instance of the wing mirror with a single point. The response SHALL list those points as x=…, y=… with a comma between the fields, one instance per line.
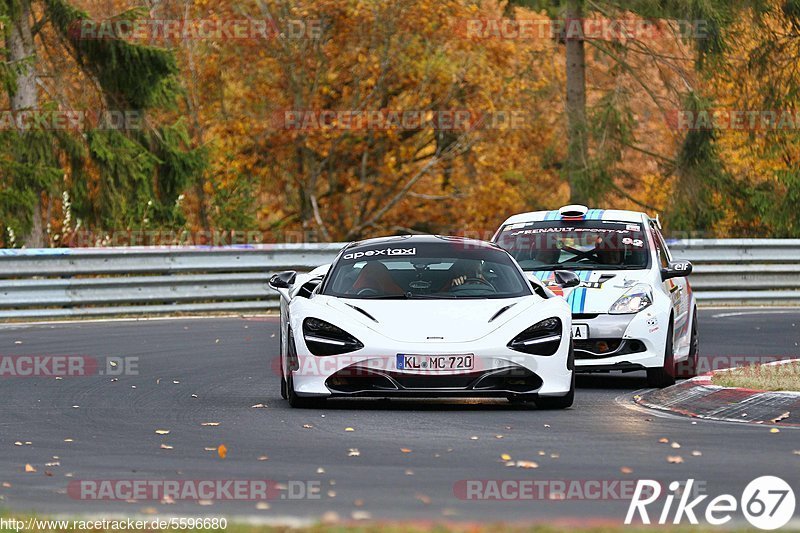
x=676, y=269
x=284, y=280
x=567, y=279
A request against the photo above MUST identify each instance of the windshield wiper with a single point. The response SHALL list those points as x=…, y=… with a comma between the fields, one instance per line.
x=567, y=266
x=438, y=296
x=378, y=297
x=410, y=296
x=597, y=267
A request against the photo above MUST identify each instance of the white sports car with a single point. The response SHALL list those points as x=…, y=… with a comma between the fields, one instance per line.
x=423, y=316
x=634, y=309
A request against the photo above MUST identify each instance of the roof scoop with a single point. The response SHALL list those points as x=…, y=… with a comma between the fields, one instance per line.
x=573, y=211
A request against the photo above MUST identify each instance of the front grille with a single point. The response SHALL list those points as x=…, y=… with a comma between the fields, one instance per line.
x=510, y=379
x=355, y=379
x=433, y=381
x=604, y=348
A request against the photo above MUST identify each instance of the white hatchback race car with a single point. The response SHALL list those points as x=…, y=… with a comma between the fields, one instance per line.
x=634, y=308
x=424, y=316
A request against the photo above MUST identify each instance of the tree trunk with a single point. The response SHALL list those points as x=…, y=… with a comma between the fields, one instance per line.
x=24, y=95
x=20, y=51
x=577, y=151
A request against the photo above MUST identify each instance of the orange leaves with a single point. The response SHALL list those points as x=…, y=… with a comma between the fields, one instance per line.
x=379, y=57
x=400, y=56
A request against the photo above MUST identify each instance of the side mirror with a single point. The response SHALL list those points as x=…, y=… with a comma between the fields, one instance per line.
x=567, y=279
x=676, y=269
x=284, y=280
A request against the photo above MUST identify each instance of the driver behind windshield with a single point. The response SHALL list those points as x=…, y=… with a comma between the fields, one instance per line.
x=442, y=269
x=606, y=255
x=463, y=271
x=589, y=245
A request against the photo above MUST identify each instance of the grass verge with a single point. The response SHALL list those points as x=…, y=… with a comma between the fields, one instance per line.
x=784, y=377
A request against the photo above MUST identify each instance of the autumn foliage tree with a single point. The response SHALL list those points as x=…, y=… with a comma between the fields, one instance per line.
x=104, y=174
x=305, y=130
x=339, y=182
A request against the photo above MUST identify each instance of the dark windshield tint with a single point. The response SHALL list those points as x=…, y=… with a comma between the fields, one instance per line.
x=576, y=245
x=444, y=270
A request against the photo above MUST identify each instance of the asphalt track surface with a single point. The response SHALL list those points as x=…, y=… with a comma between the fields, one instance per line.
x=226, y=364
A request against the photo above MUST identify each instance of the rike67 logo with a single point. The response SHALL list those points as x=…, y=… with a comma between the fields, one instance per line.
x=767, y=502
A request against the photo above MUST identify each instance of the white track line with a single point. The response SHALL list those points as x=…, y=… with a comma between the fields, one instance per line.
x=766, y=311
x=18, y=325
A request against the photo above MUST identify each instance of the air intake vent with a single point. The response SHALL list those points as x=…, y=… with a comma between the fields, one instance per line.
x=500, y=312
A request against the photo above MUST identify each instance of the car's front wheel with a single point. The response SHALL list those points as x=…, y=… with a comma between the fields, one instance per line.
x=557, y=402
x=688, y=369
x=300, y=402
x=664, y=376
x=284, y=389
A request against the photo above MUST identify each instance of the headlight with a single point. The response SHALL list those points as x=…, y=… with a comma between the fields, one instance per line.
x=543, y=338
x=638, y=298
x=323, y=338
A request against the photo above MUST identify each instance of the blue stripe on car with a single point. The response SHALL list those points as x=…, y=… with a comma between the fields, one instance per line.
x=583, y=295
x=578, y=296
x=573, y=296
x=571, y=299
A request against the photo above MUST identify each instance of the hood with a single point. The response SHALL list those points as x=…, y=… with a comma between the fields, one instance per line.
x=599, y=289
x=432, y=320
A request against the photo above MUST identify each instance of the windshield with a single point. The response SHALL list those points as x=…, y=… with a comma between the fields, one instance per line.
x=446, y=270
x=576, y=245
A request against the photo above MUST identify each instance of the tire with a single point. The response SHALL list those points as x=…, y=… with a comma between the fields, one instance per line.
x=287, y=384
x=557, y=402
x=664, y=376
x=284, y=388
x=688, y=369
x=521, y=399
x=301, y=402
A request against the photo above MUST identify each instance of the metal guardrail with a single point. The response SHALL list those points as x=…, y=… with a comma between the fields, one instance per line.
x=743, y=271
x=58, y=283
x=83, y=282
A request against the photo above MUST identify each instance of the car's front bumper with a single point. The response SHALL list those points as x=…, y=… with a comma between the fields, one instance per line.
x=495, y=373
x=620, y=342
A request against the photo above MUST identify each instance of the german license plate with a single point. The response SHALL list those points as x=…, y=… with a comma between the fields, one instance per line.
x=426, y=363
x=580, y=331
